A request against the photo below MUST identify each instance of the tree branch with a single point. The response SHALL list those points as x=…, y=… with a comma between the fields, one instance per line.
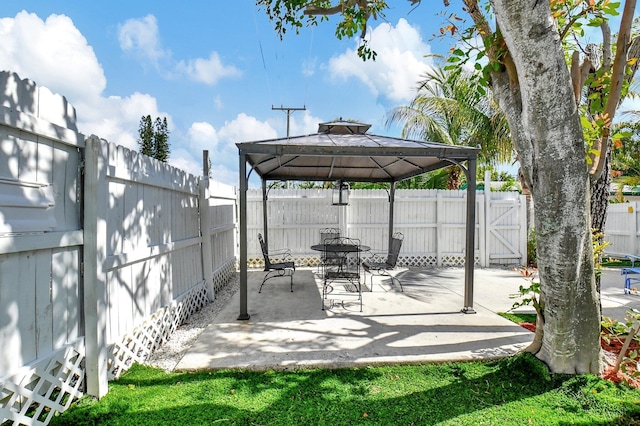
x=576, y=80
x=615, y=91
x=606, y=46
x=314, y=10
x=573, y=20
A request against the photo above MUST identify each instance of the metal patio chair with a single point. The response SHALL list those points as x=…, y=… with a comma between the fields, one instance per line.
x=329, y=258
x=282, y=267
x=375, y=265
x=345, y=272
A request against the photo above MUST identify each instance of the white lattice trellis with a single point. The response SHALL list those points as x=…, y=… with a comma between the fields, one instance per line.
x=223, y=275
x=137, y=345
x=38, y=391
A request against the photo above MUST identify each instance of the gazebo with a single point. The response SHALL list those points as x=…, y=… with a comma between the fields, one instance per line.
x=343, y=151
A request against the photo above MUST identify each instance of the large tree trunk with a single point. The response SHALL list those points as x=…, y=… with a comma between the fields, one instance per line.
x=539, y=104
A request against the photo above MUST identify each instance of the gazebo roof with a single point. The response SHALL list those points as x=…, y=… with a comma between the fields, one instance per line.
x=342, y=150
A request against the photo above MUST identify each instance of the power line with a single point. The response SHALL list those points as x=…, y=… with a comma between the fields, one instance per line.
x=264, y=63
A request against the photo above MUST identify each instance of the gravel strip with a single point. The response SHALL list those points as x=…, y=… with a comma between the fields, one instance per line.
x=168, y=356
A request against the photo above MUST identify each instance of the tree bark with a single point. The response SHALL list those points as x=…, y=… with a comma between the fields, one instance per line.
x=549, y=142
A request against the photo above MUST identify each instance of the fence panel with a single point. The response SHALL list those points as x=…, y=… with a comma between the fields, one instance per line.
x=433, y=223
x=40, y=252
x=151, y=257
x=219, y=228
x=506, y=235
x=622, y=229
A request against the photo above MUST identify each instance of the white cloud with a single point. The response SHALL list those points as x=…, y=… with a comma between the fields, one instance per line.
x=221, y=146
x=202, y=135
x=245, y=128
x=56, y=55
x=207, y=71
x=117, y=119
x=309, y=67
x=398, y=67
x=53, y=53
x=305, y=126
x=141, y=37
x=184, y=160
x=217, y=103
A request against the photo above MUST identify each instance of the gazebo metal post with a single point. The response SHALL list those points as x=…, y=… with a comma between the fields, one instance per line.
x=471, y=232
x=392, y=202
x=244, y=183
x=265, y=234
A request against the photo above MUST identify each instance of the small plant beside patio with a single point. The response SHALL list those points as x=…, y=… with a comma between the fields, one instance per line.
x=512, y=391
x=530, y=296
x=625, y=336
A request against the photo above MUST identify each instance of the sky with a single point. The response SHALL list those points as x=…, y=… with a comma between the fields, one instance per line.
x=215, y=69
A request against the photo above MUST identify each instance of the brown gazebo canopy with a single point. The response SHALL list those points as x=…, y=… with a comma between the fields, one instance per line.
x=343, y=151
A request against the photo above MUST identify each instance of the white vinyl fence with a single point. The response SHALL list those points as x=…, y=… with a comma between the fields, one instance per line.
x=433, y=223
x=103, y=253
x=622, y=229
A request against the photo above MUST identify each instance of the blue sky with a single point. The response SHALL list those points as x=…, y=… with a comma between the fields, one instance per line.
x=215, y=69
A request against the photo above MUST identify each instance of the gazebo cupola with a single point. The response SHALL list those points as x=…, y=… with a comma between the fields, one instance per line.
x=343, y=127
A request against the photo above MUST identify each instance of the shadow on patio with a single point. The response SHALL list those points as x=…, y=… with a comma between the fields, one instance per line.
x=423, y=324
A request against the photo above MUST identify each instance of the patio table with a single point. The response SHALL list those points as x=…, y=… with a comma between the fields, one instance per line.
x=340, y=248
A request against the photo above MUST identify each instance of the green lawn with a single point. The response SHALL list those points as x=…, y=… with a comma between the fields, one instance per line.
x=511, y=391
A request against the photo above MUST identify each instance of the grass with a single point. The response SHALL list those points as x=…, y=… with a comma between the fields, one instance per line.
x=518, y=318
x=612, y=262
x=513, y=391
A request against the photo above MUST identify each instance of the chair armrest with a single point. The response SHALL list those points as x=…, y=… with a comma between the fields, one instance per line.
x=375, y=256
x=280, y=255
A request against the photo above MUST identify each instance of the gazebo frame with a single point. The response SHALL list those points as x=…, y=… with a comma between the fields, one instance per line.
x=343, y=151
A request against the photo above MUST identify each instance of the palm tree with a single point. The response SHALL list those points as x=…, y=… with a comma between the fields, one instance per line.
x=452, y=108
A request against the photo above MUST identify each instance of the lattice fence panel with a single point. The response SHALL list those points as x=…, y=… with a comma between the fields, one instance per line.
x=33, y=395
x=137, y=345
x=406, y=261
x=224, y=274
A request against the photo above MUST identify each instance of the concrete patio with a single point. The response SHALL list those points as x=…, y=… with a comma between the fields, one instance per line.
x=421, y=324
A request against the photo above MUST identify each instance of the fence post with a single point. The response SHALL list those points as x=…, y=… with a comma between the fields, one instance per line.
x=635, y=235
x=439, y=228
x=205, y=227
x=486, y=259
x=523, y=223
x=95, y=198
x=205, y=235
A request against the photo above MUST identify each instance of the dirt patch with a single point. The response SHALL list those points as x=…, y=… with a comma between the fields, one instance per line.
x=610, y=350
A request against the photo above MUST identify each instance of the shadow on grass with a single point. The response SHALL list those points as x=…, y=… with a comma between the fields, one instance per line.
x=509, y=391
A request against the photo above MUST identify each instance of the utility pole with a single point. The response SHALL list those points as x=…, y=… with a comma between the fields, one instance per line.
x=288, y=110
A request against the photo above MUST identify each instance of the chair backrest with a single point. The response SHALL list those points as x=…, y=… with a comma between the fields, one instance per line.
x=394, y=251
x=350, y=255
x=265, y=253
x=328, y=234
